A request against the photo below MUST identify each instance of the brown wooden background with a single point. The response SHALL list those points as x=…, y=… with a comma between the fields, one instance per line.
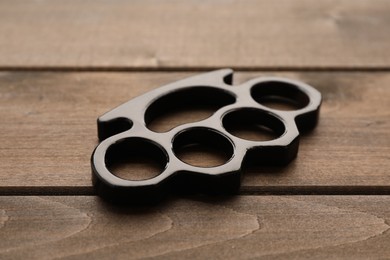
x=64, y=63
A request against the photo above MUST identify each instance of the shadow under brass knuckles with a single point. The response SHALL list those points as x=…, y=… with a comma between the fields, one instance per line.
x=124, y=130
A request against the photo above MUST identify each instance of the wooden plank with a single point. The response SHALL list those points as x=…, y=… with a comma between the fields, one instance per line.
x=192, y=34
x=310, y=227
x=48, y=131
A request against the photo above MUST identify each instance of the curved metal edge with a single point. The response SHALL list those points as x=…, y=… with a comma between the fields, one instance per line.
x=107, y=123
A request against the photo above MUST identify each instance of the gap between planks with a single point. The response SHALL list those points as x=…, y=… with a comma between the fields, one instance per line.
x=244, y=191
x=325, y=69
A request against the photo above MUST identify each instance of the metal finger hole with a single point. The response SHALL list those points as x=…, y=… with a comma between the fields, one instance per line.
x=279, y=95
x=202, y=147
x=184, y=106
x=253, y=124
x=136, y=159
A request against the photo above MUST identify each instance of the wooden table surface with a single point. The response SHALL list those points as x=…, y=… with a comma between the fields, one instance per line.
x=64, y=63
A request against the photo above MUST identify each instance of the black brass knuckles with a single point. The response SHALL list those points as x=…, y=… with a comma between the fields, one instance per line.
x=125, y=130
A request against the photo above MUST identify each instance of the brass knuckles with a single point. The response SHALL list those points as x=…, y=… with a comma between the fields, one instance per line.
x=126, y=126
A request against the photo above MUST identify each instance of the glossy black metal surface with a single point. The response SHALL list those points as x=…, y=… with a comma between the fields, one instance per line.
x=124, y=130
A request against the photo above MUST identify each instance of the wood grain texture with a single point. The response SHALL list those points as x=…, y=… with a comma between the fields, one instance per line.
x=308, y=227
x=48, y=130
x=193, y=34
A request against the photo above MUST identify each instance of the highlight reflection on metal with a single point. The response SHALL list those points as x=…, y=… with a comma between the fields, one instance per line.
x=125, y=130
